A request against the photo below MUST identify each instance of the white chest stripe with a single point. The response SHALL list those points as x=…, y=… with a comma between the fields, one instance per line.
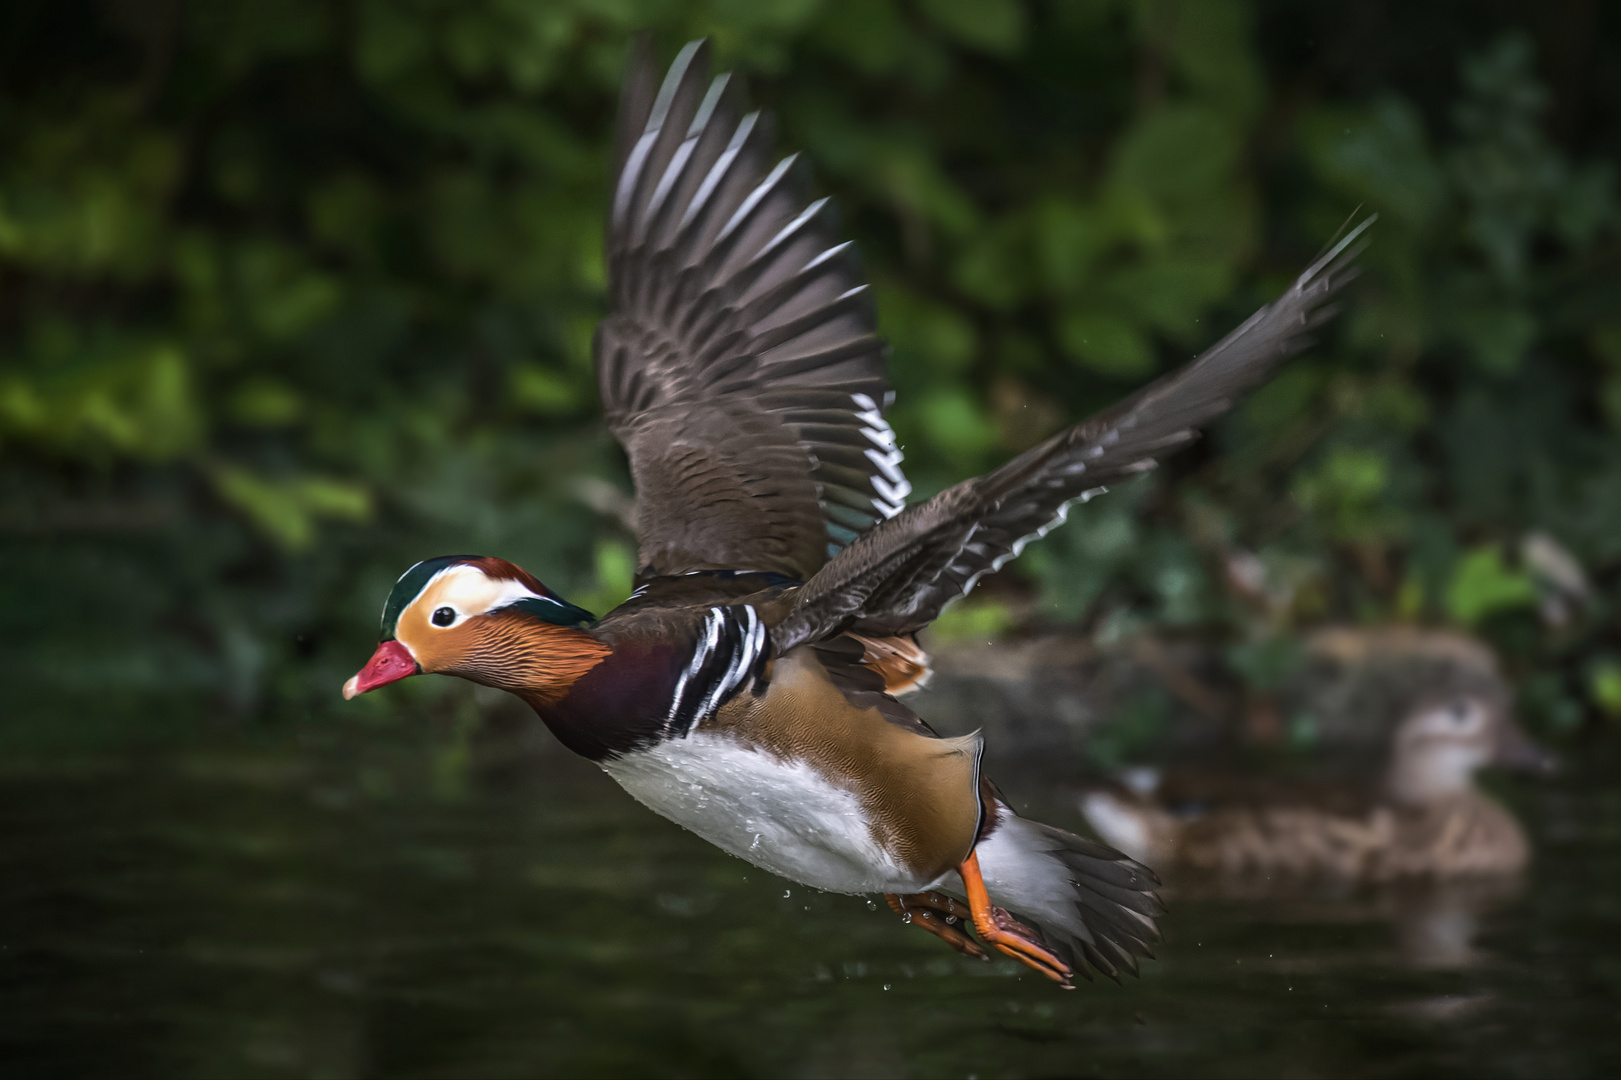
x=730, y=645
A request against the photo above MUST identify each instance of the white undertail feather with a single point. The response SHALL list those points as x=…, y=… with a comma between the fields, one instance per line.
x=1084, y=897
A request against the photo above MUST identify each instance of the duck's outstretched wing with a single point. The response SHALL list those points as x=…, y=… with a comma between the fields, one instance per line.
x=897, y=577
x=739, y=364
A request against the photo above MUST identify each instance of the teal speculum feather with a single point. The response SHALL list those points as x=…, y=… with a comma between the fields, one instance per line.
x=555, y=610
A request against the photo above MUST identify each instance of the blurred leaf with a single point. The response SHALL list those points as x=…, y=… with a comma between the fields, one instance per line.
x=1170, y=294
x=1544, y=697
x=265, y=403
x=1212, y=47
x=1079, y=562
x=1604, y=687
x=867, y=33
x=335, y=499
x=283, y=295
x=973, y=619
x=995, y=268
x=1070, y=240
x=993, y=25
x=614, y=567
x=1178, y=154
x=929, y=340
x=1267, y=663
x=1587, y=204
x=137, y=400
x=1401, y=405
x=1410, y=598
x=1499, y=337
x=1283, y=402
x=1133, y=732
x=1379, y=156
x=391, y=41
x=1482, y=585
x=286, y=510
x=957, y=426
x=544, y=391
x=1346, y=492
x=1105, y=343
x=914, y=181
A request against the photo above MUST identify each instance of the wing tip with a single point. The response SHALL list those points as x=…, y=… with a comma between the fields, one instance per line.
x=1341, y=251
x=636, y=94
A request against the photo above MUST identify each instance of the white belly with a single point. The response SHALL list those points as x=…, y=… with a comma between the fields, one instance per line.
x=782, y=816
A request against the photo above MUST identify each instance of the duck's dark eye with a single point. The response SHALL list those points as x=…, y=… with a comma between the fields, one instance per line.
x=1460, y=711
x=444, y=616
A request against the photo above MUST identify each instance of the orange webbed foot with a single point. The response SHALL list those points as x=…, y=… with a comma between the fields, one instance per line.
x=940, y=915
x=1008, y=935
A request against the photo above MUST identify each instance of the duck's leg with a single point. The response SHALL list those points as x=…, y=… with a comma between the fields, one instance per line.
x=940, y=915
x=996, y=927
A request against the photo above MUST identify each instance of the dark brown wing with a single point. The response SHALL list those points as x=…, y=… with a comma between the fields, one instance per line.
x=897, y=577
x=738, y=364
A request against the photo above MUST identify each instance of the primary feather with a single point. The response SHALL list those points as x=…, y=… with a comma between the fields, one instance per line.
x=738, y=364
x=897, y=577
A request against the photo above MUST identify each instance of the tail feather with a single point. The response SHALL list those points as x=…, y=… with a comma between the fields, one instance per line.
x=1088, y=901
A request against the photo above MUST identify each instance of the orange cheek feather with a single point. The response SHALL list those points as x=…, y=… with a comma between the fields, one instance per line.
x=507, y=650
x=533, y=659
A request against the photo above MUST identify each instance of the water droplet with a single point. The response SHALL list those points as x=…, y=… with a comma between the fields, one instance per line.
x=886, y=986
x=872, y=905
x=786, y=893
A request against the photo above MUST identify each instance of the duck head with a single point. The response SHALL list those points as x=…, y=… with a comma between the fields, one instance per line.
x=482, y=619
x=1442, y=744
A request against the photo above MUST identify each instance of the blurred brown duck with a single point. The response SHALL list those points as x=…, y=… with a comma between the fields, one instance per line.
x=746, y=690
x=1425, y=818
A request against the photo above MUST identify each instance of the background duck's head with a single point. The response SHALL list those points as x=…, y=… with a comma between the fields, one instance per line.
x=483, y=619
x=1444, y=741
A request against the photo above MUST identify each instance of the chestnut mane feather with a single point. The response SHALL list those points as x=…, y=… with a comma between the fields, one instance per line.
x=500, y=570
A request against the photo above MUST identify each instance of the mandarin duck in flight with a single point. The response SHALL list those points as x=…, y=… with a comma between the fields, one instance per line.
x=748, y=689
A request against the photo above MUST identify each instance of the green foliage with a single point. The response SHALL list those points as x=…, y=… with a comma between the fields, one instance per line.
x=286, y=511
x=298, y=294
x=1482, y=585
x=976, y=620
x=614, y=565
x=1133, y=733
x=1344, y=491
x=1604, y=686
x=1266, y=663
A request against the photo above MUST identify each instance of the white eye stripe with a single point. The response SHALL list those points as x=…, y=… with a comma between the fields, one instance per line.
x=470, y=591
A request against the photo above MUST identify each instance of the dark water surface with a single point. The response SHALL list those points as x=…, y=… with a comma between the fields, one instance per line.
x=331, y=898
